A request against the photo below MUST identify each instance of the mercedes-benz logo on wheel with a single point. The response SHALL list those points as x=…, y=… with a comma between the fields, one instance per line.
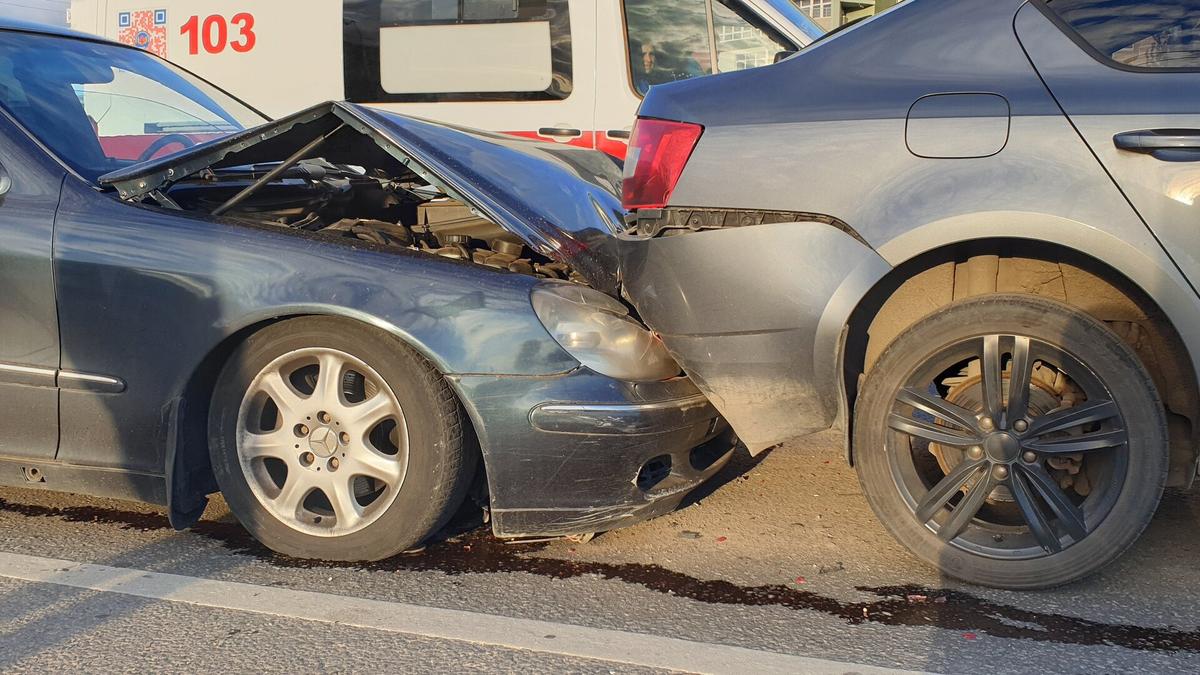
x=323, y=442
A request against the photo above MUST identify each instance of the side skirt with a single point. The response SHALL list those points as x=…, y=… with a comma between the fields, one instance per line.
x=86, y=480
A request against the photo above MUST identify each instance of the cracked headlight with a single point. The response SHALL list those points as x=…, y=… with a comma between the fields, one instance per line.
x=598, y=331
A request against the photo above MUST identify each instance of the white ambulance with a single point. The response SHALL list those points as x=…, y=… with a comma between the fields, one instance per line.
x=570, y=71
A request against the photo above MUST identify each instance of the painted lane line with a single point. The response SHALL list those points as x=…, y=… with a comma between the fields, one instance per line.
x=635, y=649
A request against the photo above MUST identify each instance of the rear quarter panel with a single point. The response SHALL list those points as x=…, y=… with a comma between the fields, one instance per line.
x=825, y=132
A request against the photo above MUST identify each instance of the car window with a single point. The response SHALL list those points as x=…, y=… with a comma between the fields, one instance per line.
x=457, y=50
x=672, y=40
x=132, y=111
x=101, y=107
x=1153, y=34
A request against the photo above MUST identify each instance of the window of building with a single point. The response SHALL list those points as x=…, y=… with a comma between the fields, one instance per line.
x=1153, y=34
x=817, y=9
x=672, y=40
x=743, y=41
x=457, y=50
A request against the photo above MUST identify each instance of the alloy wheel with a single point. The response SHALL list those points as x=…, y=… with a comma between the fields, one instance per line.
x=1007, y=446
x=322, y=441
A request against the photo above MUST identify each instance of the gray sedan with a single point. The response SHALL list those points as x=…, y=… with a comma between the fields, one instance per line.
x=964, y=233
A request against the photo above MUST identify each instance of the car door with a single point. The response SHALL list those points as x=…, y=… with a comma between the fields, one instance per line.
x=29, y=350
x=1127, y=73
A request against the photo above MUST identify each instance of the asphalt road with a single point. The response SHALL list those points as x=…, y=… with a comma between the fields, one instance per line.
x=782, y=559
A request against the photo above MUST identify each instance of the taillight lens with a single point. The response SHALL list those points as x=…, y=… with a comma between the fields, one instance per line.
x=658, y=151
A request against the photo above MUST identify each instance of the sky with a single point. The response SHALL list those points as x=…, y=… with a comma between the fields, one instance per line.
x=42, y=11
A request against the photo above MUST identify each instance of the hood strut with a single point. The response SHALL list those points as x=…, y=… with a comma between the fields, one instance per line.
x=271, y=175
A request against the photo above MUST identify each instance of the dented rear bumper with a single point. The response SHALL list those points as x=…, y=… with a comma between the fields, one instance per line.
x=755, y=313
x=581, y=452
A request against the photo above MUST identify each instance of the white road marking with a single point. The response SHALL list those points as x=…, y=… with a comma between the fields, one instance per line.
x=634, y=649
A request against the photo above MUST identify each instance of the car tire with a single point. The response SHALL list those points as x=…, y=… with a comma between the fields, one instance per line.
x=333, y=440
x=927, y=442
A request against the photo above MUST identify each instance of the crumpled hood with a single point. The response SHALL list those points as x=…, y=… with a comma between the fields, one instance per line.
x=563, y=201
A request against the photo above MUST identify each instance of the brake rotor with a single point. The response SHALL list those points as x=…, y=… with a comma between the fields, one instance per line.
x=1049, y=389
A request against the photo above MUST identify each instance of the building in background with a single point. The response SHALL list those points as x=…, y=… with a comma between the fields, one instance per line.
x=53, y=12
x=833, y=13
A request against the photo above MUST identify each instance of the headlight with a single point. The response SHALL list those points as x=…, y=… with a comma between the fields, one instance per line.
x=598, y=331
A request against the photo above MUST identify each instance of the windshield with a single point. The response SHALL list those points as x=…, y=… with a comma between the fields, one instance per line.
x=102, y=107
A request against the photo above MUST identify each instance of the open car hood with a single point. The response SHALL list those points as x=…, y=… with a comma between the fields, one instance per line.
x=560, y=200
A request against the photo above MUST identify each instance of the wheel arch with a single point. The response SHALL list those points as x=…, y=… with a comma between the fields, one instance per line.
x=1012, y=250
x=188, y=471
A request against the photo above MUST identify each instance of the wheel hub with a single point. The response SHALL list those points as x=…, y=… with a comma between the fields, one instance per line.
x=1002, y=447
x=323, y=442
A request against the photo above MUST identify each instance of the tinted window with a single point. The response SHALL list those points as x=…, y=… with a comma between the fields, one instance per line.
x=671, y=40
x=457, y=50
x=101, y=107
x=1140, y=33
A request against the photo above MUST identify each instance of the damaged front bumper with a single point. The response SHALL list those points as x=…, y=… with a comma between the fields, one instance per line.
x=582, y=453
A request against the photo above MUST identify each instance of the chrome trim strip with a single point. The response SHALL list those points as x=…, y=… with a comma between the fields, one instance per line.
x=29, y=376
x=602, y=409
x=70, y=379
x=623, y=418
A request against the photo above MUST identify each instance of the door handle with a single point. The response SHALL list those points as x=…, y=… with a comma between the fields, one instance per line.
x=5, y=181
x=1166, y=144
x=559, y=132
x=619, y=134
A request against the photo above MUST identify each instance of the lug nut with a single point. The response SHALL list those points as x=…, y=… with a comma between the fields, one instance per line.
x=975, y=452
x=1030, y=456
x=987, y=424
x=1020, y=425
x=1000, y=472
x=307, y=458
x=323, y=417
x=333, y=463
x=300, y=430
x=344, y=438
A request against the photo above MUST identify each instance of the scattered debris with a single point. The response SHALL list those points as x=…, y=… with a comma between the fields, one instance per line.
x=688, y=534
x=915, y=598
x=969, y=636
x=721, y=540
x=829, y=569
x=801, y=580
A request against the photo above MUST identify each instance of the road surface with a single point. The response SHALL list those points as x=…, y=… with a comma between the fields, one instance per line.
x=779, y=567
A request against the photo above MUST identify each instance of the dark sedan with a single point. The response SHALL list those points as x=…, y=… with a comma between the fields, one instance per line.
x=346, y=321
x=964, y=233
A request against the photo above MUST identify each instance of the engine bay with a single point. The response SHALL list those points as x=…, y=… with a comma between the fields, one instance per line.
x=342, y=200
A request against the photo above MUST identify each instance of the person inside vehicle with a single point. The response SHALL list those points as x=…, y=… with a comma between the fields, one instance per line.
x=650, y=73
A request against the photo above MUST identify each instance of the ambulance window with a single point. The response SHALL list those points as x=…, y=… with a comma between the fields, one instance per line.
x=457, y=50
x=668, y=41
x=673, y=40
x=742, y=41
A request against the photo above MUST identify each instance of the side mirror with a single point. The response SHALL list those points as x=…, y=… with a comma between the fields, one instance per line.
x=779, y=56
x=5, y=181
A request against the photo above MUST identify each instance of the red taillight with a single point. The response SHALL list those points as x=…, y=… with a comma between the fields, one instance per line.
x=658, y=151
